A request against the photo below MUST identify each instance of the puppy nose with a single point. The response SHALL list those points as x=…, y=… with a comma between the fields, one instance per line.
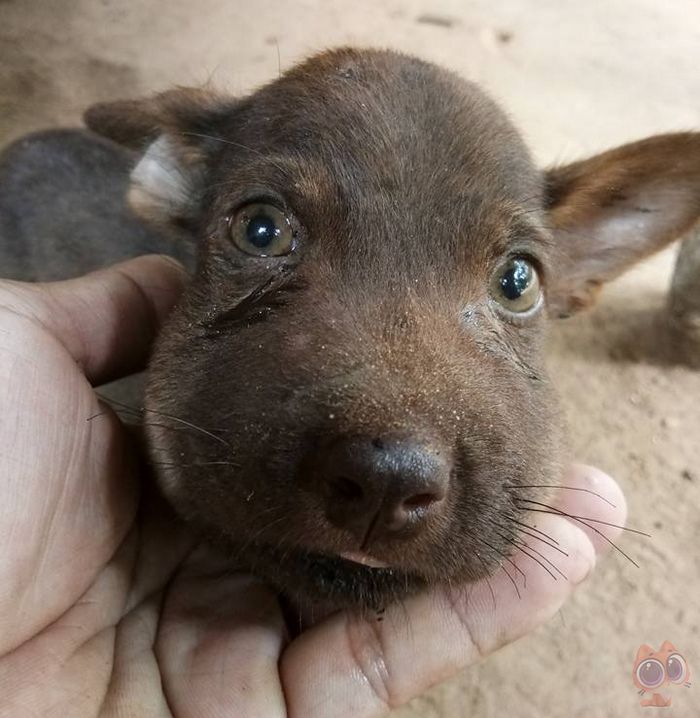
x=382, y=486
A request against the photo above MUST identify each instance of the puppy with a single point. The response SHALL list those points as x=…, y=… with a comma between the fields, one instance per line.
x=351, y=396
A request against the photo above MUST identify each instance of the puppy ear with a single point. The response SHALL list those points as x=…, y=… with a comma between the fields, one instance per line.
x=174, y=131
x=614, y=209
x=134, y=123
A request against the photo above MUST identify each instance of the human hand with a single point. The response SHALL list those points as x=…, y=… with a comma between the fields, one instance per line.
x=106, y=606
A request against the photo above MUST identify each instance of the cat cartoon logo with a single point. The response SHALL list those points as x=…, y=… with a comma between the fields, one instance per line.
x=656, y=670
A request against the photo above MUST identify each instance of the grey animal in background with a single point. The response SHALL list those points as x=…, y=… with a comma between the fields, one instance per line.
x=63, y=208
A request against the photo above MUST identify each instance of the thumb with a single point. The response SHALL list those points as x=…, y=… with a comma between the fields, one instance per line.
x=354, y=665
x=107, y=320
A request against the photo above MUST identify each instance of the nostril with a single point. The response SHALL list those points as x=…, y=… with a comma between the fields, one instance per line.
x=393, y=484
x=346, y=489
x=420, y=501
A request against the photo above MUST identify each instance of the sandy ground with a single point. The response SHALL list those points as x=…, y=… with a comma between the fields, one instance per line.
x=577, y=77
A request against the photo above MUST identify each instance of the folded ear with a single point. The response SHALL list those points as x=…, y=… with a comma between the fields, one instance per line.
x=175, y=131
x=611, y=210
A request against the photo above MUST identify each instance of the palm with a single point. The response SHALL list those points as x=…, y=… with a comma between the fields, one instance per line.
x=105, y=609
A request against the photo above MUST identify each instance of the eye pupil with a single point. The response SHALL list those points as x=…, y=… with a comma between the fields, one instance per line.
x=262, y=231
x=516, y=279
x=515, y=285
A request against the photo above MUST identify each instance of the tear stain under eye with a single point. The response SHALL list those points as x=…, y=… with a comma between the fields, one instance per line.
x=507, y=352
x=259, y=303
x=497, y=346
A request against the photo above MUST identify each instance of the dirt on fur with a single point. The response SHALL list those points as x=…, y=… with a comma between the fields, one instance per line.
x=577, y=78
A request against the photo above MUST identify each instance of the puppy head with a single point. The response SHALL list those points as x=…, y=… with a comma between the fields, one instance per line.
x=352, y=390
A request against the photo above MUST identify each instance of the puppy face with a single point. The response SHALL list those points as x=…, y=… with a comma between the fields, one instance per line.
x=352, y=387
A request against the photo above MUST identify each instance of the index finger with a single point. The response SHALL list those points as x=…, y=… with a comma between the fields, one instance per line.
x=106, y=320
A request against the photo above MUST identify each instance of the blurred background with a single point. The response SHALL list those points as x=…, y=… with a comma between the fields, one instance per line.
x=577, y=77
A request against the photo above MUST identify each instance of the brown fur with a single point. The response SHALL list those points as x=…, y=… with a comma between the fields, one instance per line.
x=408, y=187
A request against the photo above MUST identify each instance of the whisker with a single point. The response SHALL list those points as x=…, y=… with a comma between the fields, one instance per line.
x=512, y=580
x=251, y=539
x=546, y=543
x=240, y=145
x=502, y=555
x=587, y=518
x=488, y=582
x=279, y=59
x=556, y=486
x=525, y=532
x=532, y=528
x=592, y=528
x=160, y=425
x=522, y=550
x=94, y=416
x=514, y=540
x=189, y=424
x=543, y=557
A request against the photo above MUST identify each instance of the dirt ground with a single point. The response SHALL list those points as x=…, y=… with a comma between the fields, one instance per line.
x=577, y=77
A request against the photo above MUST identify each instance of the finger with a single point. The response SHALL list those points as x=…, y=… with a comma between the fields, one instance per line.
x=218, y=648
x=353, y=666
x=107, y=320
x=593, y=502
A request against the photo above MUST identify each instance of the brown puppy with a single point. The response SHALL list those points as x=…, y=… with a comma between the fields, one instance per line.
x=352, y=389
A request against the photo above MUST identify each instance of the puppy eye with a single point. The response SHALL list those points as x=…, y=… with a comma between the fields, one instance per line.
x=262, y=230
x=516, y=285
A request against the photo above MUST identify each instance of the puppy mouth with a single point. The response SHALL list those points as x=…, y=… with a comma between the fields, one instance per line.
x=351, y=579
x=363, y=559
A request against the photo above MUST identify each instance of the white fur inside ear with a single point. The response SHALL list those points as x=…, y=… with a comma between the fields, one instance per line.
x=164, y=186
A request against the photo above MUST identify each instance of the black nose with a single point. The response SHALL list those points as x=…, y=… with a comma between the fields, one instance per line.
x=382, y=486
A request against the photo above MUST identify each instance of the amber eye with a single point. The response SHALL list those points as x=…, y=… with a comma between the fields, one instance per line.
x=262, y=230
x=516, y=285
